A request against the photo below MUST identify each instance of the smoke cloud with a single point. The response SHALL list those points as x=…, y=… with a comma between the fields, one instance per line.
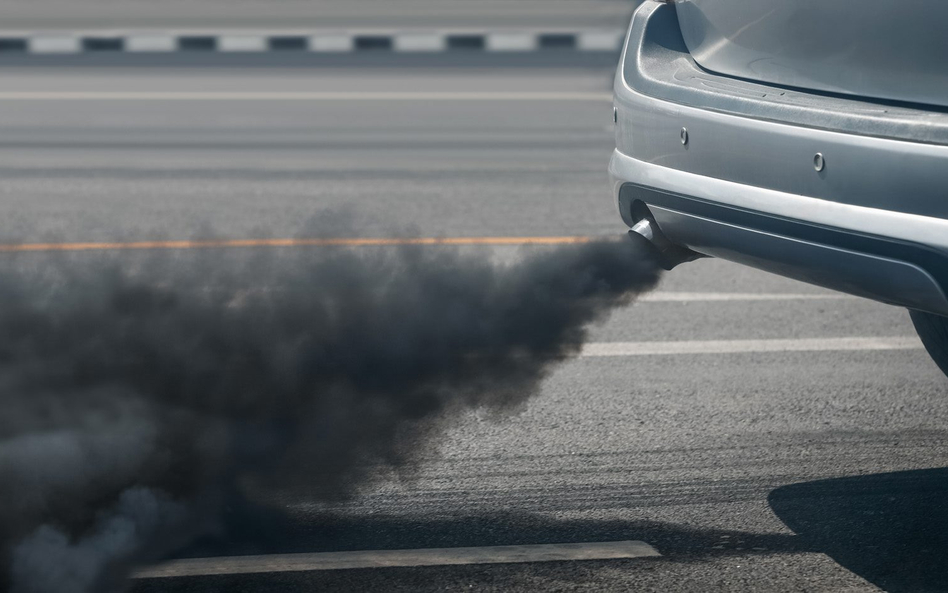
x=136, y=398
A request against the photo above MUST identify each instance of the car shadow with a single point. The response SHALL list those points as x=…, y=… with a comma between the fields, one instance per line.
x=267, y=531
x=259, y=530
x=891, y=529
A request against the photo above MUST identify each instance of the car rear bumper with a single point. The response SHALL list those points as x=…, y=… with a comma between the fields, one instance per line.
x=727, y=168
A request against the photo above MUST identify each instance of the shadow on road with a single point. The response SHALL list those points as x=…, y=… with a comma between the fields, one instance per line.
x=256, y=530
x=891, y=529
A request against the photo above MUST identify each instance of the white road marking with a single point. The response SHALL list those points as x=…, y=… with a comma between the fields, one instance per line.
x=149, y=42
x=600, y=40
x=685, y=297
x=299, y=96
x=54, y=44
x=596, y=349
x=399, y=558
x=331, y=43
x=241, y=43
x=419, y=42
x=511, y=42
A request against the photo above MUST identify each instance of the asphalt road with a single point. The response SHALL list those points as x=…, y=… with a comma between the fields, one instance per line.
x=754, y=471
x=324, y=14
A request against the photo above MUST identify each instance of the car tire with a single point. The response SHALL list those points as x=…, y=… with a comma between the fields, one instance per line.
x=933, y=330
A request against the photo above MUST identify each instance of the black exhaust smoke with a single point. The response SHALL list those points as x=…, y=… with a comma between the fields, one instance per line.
x=135, y=400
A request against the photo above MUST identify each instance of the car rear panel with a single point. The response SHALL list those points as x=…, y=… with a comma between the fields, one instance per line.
x=837, y=191
x=884, y=49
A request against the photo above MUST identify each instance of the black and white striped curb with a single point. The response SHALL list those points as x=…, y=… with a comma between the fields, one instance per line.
x=320, y=42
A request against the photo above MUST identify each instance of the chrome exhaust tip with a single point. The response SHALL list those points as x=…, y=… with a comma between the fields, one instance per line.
x=667, y=253
x=644, y=228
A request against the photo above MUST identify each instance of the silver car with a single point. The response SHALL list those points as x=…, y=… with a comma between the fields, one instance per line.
x=803, y=137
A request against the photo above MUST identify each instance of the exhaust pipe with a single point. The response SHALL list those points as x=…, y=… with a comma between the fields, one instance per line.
x=644, y=228
x=668, y=254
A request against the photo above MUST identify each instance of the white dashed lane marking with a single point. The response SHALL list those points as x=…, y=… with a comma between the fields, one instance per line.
x=399, y=558
x=686, y=297
x=747, y=346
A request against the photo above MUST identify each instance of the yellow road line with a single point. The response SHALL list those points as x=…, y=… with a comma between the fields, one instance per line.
x=338, y=242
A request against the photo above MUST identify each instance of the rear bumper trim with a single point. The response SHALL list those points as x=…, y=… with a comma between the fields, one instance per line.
x=894, y=257
x=880, y=268
x=901, y=226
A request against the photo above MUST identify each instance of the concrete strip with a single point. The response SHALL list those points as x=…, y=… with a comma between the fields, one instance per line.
x=301, y=96
x=151, y=43
x=399, y=558
x=419, y=42
x=597, y=349
x=331, y=43
x=242, y=43
x=688, y=297
x=511, y=42
x=54, y=44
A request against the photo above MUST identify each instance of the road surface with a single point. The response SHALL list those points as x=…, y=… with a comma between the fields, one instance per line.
x=816, y=469
x=51, y=15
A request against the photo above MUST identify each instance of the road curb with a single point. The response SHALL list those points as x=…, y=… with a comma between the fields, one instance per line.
x=151, y=42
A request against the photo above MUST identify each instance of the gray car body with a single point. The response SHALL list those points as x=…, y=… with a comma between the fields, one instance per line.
x=843, y=191
x=869, y=48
